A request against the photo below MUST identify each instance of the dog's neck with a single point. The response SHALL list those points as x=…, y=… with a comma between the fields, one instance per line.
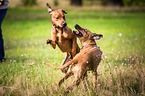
x=87, y=46
x=88, y=43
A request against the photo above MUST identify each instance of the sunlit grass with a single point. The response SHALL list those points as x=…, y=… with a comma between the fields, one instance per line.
x=121, y=71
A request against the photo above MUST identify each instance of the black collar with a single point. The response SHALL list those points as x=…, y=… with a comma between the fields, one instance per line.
x=90, y=45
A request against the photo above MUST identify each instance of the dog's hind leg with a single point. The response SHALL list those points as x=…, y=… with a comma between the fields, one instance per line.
x=79, y=75
x=75, y=83
x=75, y=47
x=94, y=79
x=65, y=60
x=85, y=82
x=64, y=78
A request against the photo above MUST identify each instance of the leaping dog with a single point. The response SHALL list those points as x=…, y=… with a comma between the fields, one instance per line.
x=62, y=35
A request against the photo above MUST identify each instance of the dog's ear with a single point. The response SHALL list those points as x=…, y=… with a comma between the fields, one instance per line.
x=49, y=8
x=64, y=12
x=96, y=36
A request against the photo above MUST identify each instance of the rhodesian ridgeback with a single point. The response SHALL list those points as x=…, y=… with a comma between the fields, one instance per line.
x=62, y=35
x=87, y=59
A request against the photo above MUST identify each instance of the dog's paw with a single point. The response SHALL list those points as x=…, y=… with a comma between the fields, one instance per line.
x=48, y=41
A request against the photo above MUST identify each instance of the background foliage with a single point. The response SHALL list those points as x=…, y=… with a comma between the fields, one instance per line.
x=134, y=2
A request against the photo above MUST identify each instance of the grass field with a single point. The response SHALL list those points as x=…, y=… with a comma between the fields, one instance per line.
x=121, y=71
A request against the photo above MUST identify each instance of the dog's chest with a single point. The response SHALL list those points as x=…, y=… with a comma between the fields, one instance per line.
x=61, y=32
x=64, y=34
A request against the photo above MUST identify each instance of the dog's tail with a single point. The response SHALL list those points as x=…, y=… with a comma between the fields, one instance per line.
x=60, y=67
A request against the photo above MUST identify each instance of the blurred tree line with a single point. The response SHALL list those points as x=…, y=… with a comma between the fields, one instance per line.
x=103, y=2
x=29, y=2
x=124, y=2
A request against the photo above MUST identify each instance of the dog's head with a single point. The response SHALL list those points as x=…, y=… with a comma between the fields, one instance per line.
x=58, y=16
x=85, y=35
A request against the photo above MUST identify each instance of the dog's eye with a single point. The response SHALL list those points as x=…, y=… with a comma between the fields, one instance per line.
x=57, y=18
x=85, y=31
x=64, y=17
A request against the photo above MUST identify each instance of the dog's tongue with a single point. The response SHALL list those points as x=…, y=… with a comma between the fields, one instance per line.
x=77, y=32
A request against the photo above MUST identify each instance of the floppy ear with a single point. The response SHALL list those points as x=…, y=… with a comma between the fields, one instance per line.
x=49, y=8
x=96, y=36
x=64, y=12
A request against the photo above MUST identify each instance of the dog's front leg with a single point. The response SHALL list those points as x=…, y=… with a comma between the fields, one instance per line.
x=51, y=42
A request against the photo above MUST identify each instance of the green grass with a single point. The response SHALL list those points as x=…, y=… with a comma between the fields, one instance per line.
x=121, y=71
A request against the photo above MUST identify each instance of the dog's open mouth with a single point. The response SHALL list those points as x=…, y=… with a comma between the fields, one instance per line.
x=77, y=33
x=78, y=27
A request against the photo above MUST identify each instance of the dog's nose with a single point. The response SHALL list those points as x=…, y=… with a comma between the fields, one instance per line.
x=64, y=23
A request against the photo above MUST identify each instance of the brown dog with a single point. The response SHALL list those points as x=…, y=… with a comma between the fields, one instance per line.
x=87, y=59
x=62, y=36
